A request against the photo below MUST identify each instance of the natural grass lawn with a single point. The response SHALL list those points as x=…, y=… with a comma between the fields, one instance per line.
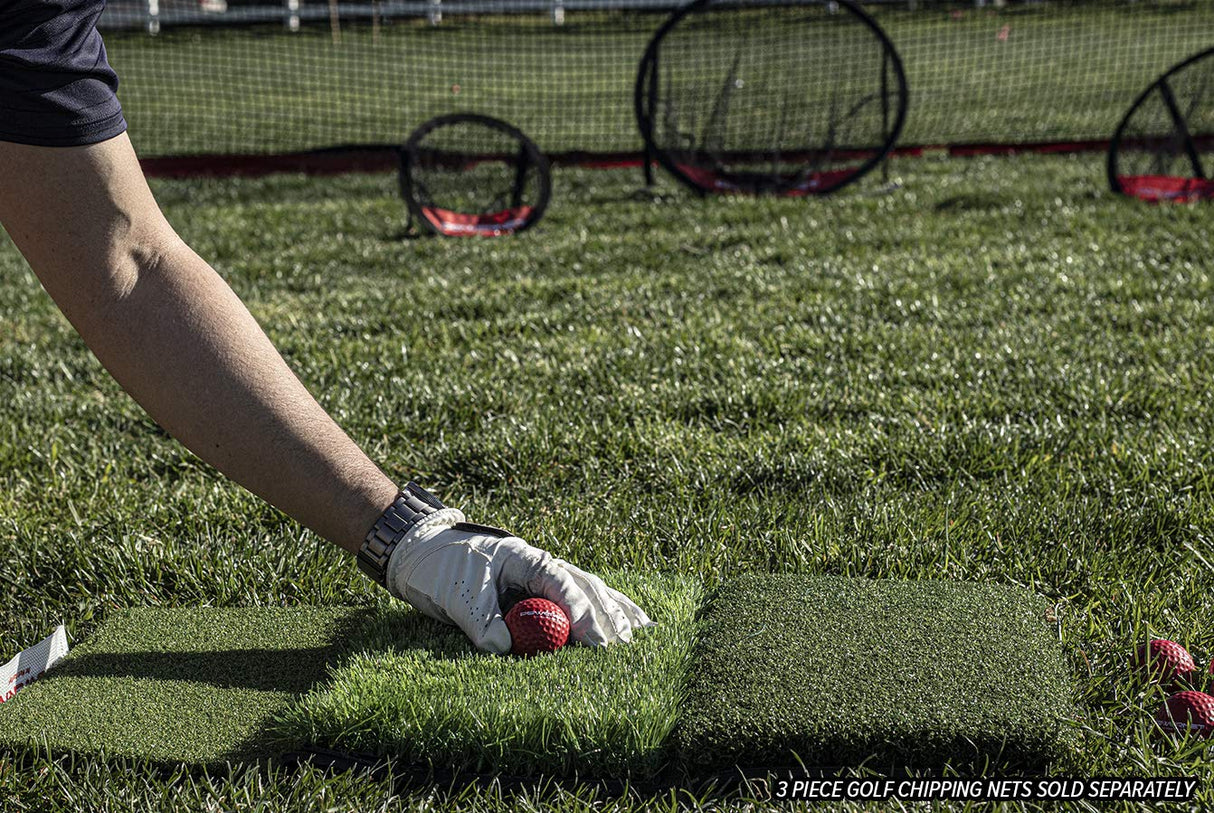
x=828, y=671
x=417, y=692
x=998, y=373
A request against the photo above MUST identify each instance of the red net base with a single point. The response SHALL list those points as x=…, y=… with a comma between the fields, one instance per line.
x=493, y=224
x=1164, y=188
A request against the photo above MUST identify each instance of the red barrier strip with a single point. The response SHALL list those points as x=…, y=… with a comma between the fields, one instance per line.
x=329, y=162
x=1043, y=147
x=385, y=159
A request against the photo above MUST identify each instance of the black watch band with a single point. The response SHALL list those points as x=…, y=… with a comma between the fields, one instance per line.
x=412, y=505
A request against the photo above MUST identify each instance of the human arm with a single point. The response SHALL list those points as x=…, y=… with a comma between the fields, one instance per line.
x=179, y=340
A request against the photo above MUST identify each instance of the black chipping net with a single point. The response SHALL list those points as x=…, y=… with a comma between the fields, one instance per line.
x=762, y=98
x=1164, y=148
x=467, y=174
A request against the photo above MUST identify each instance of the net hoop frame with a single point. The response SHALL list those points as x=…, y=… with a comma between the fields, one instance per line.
x=1193, y=188
x=496, y=223
x=838, y=181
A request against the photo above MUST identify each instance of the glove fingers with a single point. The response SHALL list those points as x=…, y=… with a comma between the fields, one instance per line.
x=635, y=615
x=458, y=577
x=595, y=618
x=612, y=618
x=559, y=587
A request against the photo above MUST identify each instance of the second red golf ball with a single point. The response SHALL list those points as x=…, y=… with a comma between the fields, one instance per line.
x=1164, y=660
x=537, y=625
x=1191, y=712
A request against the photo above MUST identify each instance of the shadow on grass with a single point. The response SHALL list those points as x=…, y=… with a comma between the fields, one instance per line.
x=270, y=670
x=972, y=202
x=126, y=698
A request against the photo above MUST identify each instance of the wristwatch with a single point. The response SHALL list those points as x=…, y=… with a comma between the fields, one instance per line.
x=411, y=505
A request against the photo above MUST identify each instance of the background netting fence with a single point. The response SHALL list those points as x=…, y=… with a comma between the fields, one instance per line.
x=260, y=87
x=1036, y=72
x=232, y=78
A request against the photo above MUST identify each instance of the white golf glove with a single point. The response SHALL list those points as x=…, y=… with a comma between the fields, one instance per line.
x=455, y=571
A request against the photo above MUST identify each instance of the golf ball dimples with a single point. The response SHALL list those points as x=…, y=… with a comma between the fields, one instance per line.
x=537, y=625
x=1165, y=660
x=1191, y=712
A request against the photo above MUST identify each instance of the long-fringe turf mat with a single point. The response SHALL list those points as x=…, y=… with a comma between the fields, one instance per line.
x=892, y=675
x=772, y=671
x=415, y=691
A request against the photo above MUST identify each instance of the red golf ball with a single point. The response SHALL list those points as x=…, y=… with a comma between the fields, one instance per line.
x=537, y=625
x=1164, y=660
x=1191, y=712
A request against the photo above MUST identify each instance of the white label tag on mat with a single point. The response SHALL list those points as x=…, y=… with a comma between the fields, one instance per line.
x=29, y=665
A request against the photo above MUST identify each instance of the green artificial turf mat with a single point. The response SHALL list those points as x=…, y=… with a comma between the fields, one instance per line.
x=193, y=685
x=889, y=674
x=415, y=690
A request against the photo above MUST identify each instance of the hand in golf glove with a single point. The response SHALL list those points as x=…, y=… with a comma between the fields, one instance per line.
x=455, y=571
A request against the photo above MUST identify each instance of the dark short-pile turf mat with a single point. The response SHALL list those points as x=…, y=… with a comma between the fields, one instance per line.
x=196, y=686
x=889, y=674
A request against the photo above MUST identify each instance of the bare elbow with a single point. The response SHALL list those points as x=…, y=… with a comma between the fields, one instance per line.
x=133, y=257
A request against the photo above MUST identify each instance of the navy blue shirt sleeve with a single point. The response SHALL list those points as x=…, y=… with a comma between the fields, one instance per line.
x=56, y=86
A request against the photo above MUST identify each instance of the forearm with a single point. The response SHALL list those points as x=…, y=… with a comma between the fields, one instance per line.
x=188, y=350
x=178, y=339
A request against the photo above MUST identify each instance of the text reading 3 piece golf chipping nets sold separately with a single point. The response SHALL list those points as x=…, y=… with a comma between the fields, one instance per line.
x=1169, y=789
